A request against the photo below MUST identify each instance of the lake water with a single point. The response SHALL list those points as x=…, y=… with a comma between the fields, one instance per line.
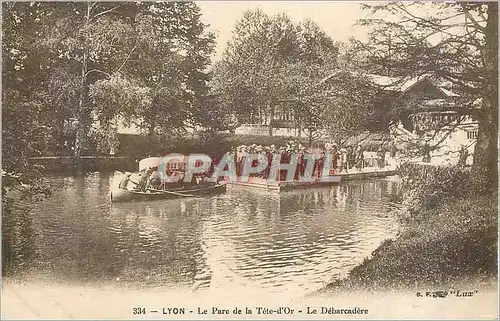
x=294, y=241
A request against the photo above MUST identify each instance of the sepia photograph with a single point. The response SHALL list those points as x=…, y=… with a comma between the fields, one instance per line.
x=249, y=160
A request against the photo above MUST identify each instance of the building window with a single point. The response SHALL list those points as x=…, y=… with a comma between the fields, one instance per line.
x=472, y=134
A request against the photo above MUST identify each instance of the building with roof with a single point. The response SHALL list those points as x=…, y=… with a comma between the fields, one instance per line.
x=432, y=114
x=429, y=110
x=280, y=121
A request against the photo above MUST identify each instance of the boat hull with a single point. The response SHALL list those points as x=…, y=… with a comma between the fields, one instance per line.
x=119, y=194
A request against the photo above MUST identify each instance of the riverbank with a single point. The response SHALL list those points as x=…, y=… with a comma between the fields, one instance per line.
x=132, y=148
x=87, y=164
x=450, y=243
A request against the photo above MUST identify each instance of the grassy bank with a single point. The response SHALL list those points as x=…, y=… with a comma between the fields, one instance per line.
x=448, y=236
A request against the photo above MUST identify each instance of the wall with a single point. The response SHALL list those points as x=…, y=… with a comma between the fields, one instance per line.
x=449, y=140
x=449, y=149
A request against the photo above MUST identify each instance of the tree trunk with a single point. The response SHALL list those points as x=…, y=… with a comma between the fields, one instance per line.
x=486, y=150
x=151, y=130
x=80, y=131
x=82, y=108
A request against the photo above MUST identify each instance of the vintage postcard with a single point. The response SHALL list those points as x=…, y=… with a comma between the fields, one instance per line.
x=249, y=160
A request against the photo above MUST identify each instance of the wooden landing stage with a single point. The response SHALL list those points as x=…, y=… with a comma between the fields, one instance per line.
x=368, y=172
x=365, y=173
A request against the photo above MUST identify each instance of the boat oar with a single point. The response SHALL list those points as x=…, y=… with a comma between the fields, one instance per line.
x=178, y=194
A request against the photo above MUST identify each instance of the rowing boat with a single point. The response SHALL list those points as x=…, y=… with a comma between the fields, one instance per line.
x=120, y=193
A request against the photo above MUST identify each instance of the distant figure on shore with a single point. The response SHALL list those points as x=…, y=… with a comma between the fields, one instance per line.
x=359, y=157
x=464, y=154
x=393, y=153
x=335, y=157
x=427, y=153
x=351, y=158
x=343, y=160
x=380, y=157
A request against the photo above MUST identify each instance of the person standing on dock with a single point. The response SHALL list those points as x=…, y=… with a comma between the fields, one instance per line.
x=359, y=157
x=380, y=157
x=240, y=159
x=350, y=157
x=331, y=148
x=335, y=157
x=343, y=160
x=320, y=164
x=301, y=165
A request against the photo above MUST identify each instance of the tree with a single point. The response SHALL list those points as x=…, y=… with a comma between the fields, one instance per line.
x=173, y=52
x=17, y=109
x=351, y=105
x=455, y=41
x=58, y=50
x=91, y=35
x=261, y=48
x=115, y=99
x=57, y=54
x=267, y=61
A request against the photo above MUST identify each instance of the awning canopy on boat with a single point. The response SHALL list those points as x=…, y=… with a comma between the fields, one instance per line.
x=149, y=162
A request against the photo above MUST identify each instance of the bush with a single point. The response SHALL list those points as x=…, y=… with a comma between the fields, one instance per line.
x=424, y=186
x=449, y=235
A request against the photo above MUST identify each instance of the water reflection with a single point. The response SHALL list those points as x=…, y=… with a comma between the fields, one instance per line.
x=293, y=241
x=18, y=244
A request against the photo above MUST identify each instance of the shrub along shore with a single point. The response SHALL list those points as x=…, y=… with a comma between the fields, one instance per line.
x=448, y=236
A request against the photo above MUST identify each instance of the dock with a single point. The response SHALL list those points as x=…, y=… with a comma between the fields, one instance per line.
x=368, y=172
x=365, y=173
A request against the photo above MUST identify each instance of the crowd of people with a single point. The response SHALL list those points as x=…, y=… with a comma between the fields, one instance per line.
x=343, y=159
x=172, y=177
x=336, y=159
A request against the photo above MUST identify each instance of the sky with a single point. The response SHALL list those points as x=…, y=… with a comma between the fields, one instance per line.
x=336, y=18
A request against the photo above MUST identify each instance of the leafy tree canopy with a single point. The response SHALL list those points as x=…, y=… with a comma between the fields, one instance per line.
x=457, y=42
x=67, y=57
